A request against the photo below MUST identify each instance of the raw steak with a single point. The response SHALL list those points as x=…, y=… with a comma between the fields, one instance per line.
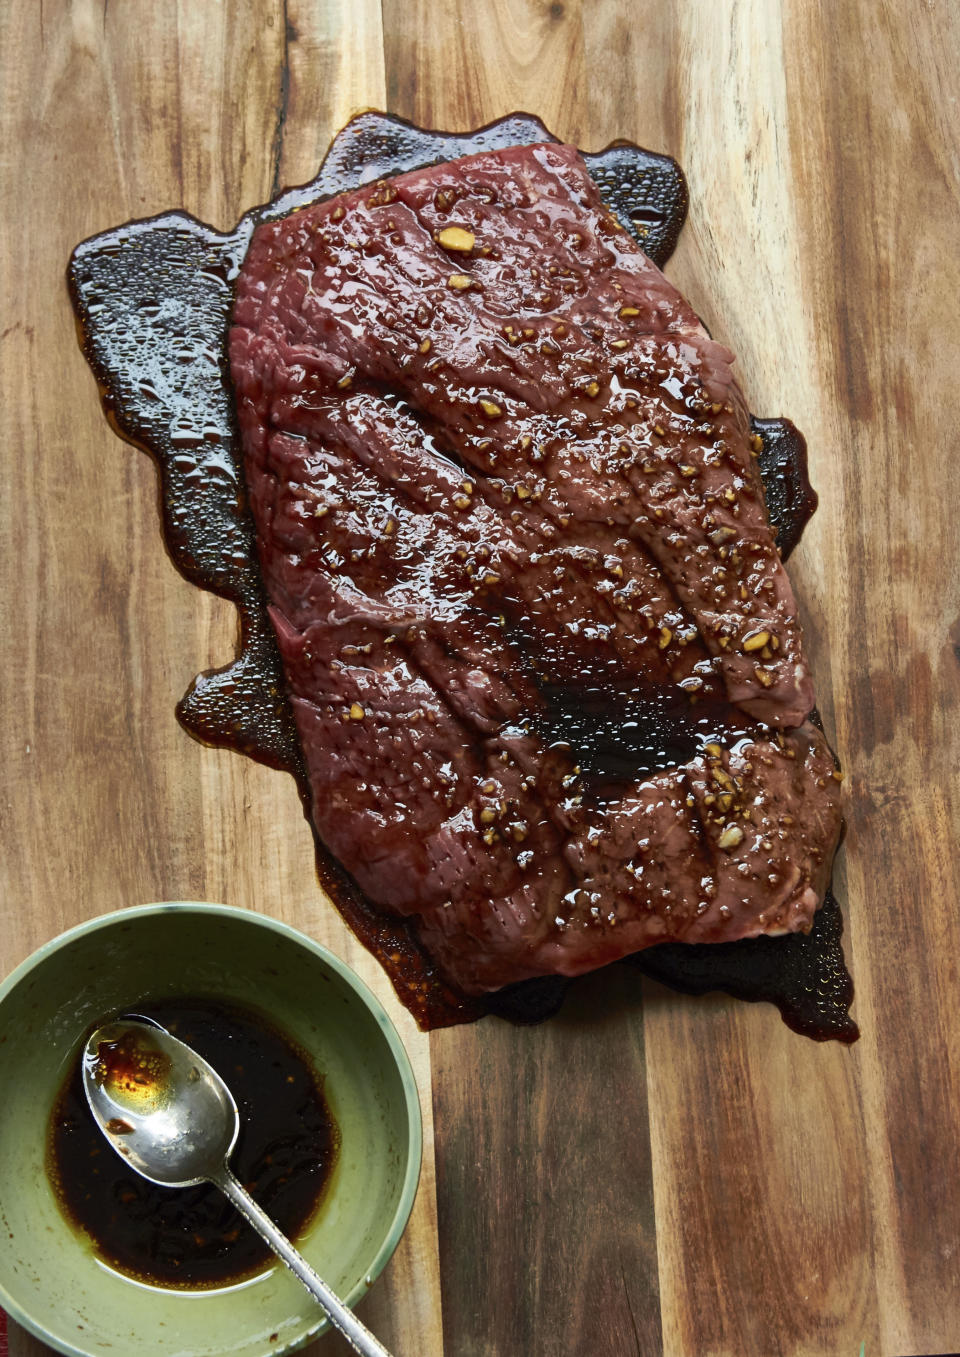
x=543, y=655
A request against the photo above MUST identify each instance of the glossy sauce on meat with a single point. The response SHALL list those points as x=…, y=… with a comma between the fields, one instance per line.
x=193, y=1237
x=135, y=331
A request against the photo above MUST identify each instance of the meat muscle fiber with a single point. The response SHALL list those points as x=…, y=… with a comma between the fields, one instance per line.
x=499, y=471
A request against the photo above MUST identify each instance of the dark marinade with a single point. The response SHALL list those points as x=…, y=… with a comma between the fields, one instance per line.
x=153, y=300
x=193, y=1237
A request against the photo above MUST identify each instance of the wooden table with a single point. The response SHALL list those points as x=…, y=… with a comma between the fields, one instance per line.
x=642, y=1175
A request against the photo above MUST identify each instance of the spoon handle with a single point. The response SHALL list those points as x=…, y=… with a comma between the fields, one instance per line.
x=356, y=1334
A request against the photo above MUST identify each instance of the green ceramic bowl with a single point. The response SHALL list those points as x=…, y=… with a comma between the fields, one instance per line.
x=50, y=1279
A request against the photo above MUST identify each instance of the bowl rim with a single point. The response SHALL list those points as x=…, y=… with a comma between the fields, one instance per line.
x=401, y=1059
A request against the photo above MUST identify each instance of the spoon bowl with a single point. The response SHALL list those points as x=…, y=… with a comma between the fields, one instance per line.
x=160, y=1105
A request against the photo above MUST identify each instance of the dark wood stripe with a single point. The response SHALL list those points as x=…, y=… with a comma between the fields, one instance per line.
x=544, y=1184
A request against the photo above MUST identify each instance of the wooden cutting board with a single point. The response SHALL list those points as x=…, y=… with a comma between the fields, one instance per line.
x=646, y=1174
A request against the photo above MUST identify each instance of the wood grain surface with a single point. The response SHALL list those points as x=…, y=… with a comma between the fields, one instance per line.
x=646, y=1174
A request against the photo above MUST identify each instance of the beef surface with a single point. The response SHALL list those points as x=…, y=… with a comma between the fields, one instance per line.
x=543, y=655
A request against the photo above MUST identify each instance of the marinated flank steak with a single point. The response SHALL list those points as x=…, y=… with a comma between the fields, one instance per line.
x=543, y=655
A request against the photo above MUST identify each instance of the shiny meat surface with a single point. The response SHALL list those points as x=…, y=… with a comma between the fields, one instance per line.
x=544, y=657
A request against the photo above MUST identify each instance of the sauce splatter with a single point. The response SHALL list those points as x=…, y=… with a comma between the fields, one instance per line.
x=153, y=300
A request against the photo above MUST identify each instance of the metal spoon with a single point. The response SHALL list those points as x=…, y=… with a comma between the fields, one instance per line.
x=173, y=1119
